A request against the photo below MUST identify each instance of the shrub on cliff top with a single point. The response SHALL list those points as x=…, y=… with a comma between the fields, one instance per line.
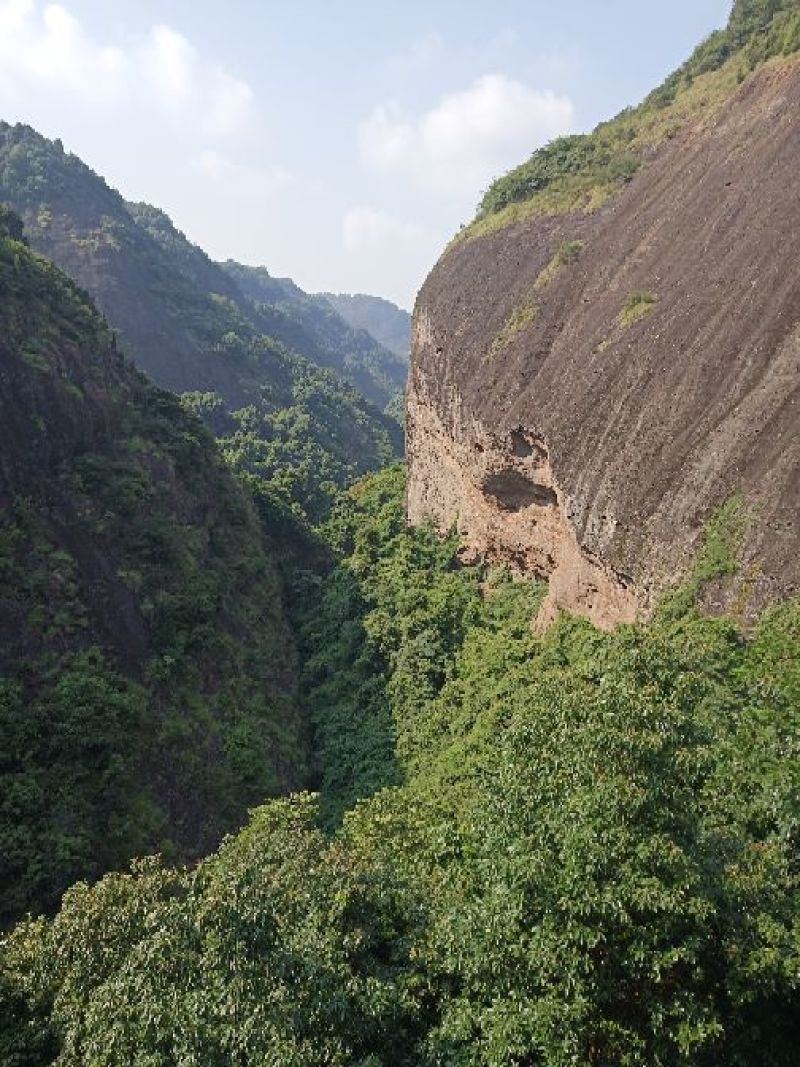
x=758, y=30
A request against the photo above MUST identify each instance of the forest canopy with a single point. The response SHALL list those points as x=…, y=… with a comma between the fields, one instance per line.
x=579, y=848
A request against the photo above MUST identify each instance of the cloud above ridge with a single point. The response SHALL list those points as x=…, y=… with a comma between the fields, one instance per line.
x=467, y=138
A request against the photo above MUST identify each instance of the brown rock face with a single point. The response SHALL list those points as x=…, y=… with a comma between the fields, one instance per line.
x=583, y=423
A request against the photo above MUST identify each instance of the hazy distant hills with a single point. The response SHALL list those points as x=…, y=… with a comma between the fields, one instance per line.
x=260, y=359
x=167, y=300
x=322, y=332
x=385, y=321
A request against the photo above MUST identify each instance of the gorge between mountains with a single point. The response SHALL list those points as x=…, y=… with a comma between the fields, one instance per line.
x=321, y=751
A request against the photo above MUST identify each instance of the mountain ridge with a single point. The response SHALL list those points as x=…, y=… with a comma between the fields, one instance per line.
x=624, y=360
x=387, y=322
x=148, y=678
x=185, y=321
x=73, y=216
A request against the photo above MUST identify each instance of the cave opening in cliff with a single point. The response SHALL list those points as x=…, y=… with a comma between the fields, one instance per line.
x=512, y=491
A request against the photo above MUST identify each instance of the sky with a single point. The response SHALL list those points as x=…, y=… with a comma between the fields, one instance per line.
x=338, y=142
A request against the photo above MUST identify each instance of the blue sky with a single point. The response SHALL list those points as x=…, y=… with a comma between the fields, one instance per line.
x=339, y=143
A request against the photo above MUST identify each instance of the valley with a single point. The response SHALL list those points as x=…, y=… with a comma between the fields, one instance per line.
x=380, y=691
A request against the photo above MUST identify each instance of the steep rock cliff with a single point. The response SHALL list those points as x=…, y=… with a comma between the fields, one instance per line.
x=598, y=369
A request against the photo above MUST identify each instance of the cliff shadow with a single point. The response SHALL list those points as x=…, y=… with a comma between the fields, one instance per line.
x=344, y=692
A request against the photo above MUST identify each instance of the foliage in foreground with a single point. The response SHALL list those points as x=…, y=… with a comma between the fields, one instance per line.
x=593, y=857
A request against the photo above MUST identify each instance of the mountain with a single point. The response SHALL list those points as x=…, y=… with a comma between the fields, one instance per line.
x=148, y=676
x=309, y=324
x=188, y=324
x=552, y=846
x=607, y=361
x=387, y=323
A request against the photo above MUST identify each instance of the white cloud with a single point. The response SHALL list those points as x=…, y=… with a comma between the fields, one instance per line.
x=467, y=138
x=49, y=50
x=239, y=177
x=387, y=254
x=160, y=119
x=186, y=84
x=365, y=228
x=46, y=54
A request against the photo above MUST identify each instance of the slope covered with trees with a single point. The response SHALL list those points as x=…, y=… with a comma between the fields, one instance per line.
x=579, y=849
x=188, y=324
x=526, y=847
x=312, y=325
x=388, y=323
x=147, y=671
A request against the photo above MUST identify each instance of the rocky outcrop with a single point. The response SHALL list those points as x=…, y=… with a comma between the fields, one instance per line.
x=502, y=494
x=586, y=390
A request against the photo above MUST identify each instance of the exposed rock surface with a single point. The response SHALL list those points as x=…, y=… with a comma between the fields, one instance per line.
x=652, y=376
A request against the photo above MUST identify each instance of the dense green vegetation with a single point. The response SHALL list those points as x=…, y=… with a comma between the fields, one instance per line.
x=381, y=318
x=312, y=325
x=582, y=170
x=592, y=157
x=147, y=680
x=264, y=363
x=584, y=850
x=299, y=445
x=377, y=642
x=575, y=849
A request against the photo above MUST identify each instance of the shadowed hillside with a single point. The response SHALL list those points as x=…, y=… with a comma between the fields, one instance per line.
x=147, y=674
x=386, y=322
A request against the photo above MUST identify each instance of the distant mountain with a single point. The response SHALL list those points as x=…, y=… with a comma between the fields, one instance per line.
x=387, y=323
x=188, y=323
x=147, y=672
x=311, y=325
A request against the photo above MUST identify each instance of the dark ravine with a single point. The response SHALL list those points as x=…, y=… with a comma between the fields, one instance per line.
x=657, y=369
